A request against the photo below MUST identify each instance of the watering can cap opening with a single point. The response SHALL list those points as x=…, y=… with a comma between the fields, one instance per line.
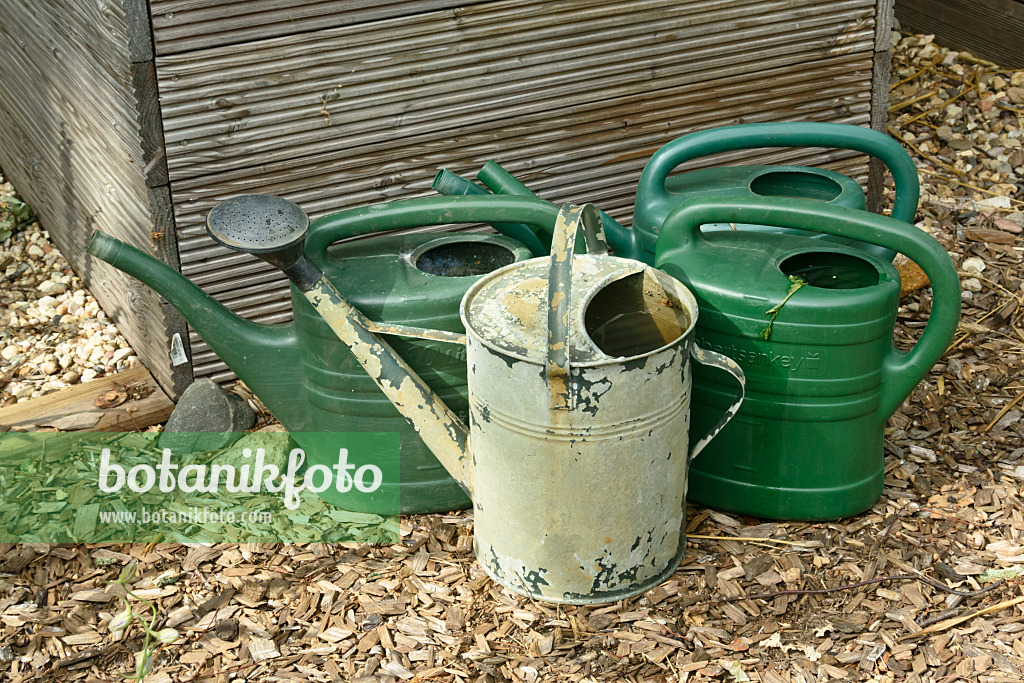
x=462, y=256
x=831, y=269
x=619, y=309
x=806, y=183
x=257, y=223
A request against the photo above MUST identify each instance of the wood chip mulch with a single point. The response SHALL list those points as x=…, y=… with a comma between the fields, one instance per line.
x=923, y=587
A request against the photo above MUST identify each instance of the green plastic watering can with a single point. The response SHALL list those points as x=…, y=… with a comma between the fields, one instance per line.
x=822, y=373
x=312, y=383
x=658, y=191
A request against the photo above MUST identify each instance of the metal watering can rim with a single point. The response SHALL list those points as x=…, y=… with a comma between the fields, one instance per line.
x=623, y=268
x=565, y=313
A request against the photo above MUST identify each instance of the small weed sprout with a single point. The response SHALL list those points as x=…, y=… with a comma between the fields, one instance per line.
x=796, y=283
x=123, y=620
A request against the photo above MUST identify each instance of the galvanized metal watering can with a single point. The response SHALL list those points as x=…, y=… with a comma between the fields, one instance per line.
x=312, y=383
x=579, y=382
x=811, y=322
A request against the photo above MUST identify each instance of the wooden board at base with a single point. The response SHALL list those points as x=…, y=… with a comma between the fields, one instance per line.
x=146, y=405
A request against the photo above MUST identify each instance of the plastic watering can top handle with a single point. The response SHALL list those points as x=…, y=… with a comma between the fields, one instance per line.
x=903, y=371
x=414, y=213
x=753, y=135
x=563, y=244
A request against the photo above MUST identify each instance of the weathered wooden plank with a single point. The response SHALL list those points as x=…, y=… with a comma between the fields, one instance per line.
x=165, y=248
x=152, y=407
x=880, y=79
x=991, y=29
x=151, y=128
x=477, y=32
x=140, y=30
x=826, y=86
x=883, y=25
x=375, y=105
x=184, y=25
x=70, y=142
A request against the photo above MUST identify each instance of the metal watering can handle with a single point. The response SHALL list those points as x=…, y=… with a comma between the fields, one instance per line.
x=563, y=244
x=903, y=371
x=753, y=135
x=722, y=362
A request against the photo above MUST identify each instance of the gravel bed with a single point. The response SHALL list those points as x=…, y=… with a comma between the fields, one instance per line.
x=52, y=331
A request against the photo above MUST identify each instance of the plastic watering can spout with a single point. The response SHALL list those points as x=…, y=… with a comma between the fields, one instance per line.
x=451, y=184
x=248, y=348
x=621, y=239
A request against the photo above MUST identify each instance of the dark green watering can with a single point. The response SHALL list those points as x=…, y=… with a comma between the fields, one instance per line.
x=307, y=378
x=658, y=192
x=822, y=373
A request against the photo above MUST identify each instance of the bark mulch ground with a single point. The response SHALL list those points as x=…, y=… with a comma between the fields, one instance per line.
x=925, y=586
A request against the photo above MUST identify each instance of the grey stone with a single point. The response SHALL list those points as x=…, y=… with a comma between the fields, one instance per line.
x=204, y=407
x=274, y=441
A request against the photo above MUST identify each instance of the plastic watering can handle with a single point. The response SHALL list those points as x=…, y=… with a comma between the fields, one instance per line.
x=570, y=218
x=754, y=135
x=414, y=213
x=903, y=371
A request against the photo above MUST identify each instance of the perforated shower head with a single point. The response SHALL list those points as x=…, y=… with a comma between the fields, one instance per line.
x=257, y=223
x=268, y=227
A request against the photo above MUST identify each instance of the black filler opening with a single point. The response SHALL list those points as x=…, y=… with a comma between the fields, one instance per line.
x=624, y=320
x=464, y=259
x=831, y=270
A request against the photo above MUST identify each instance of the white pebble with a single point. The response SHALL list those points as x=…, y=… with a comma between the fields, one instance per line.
x=973, y=265
x=49, y=287
x=972, y=284
x=89, y=375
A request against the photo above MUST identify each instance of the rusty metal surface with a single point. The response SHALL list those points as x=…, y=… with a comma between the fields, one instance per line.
x=256, y=223
x=439, y=427
x=722, y=362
